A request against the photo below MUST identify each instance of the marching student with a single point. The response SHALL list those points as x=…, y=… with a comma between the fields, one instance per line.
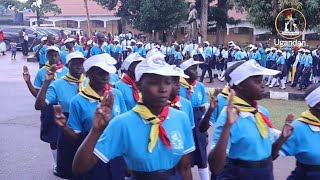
x=223, y=62
x=129, y=51
x=101, y=47
x=244, y=128
x=177, y=55
x=194, y=91
x=158, y=146
x=255, y=54
x=207, y=63
x=141, y=50
x=218, y=59
x=127, y=85
x=238, y=56
x=316, y=67
x=281, y=66
x=306, y=72
x=48, y=129
x=117, y=54
x=36, y=49
x=304, y=141
x=82, y=108
x=42, y=52
x=178, y=102
x=133, y=45
x=69, y=47
x=271, y=60
x=61, y=92
x=263, y=53
x=166, y=50
x=302, y=59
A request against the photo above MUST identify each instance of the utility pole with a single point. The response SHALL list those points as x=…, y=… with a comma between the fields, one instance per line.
x=204, y=19
x=88, y=17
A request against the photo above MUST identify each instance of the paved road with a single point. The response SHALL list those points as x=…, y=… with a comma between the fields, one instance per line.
x=22, y=155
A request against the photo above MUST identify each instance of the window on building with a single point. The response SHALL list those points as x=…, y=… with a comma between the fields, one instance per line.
x=242, y=30
x=97, y=24
x=212, y=30
x=313, y=36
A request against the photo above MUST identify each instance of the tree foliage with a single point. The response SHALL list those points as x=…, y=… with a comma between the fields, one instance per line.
x=262, y=13
x=148, y=15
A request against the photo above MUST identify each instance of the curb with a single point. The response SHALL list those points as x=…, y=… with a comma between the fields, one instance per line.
x=273, y=95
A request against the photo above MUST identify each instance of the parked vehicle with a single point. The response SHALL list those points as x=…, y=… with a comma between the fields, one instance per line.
x=12, y=32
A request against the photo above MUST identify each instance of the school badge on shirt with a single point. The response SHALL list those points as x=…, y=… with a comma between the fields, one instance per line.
x=116, y=110
x=176, y=140
x=199, y=97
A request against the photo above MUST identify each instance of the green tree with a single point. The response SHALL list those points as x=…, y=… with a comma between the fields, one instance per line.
x=40, y=7
x=148, y=15
x=262, y=13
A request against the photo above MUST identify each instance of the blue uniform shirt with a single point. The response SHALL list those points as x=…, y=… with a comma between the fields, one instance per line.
x=303, y=144
x=113, y=79
x=238, y=56
x=135, y=49
x=111, y=47
x=63, y=56
x=127, y=92
x=177, y=56
x=41, y=76
x=245, y=142
x=303, y=59
x=256, y=56
x=186, y=107
x=198, y=98
x=208, y=52
x=308, y=61
x=117, y=49
x=42, y=54
x=95, y=50
x=222, y=102
x=61, y=92
x=281, y=60
x=82, y=111
x=121, y=139
x=142, y=52
x=35, y=49
x=79, y=48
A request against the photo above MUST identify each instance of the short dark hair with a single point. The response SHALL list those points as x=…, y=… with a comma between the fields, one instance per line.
x=311, y=88
x=231, y=69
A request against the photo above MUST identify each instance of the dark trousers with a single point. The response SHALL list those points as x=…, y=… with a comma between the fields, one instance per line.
x=207, y=67
x=305, y=80
x=24, y=47
x=298, y=74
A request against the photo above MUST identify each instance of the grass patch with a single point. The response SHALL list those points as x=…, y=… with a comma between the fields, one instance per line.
x=280, y=108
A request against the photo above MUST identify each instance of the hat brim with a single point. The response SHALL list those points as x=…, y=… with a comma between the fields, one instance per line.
x=109, y=68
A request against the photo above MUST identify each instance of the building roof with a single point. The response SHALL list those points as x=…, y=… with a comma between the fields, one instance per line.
x=76, y=8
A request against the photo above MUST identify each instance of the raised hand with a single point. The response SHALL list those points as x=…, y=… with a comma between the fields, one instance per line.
x=288, y=128
x=232, y=110
x=51, y=72
x=26, y=74
x=103, y=112
x=59, y=117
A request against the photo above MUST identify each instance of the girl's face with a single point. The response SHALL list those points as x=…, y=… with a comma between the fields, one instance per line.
x=53, y=57
x=175, y=87
x=155, y=89
x=192, y=72
x=252, y=88
x=98, y=77
x=76, y=67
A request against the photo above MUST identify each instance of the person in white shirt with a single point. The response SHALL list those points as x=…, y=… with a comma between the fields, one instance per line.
x=224, y=56
x=126, y=42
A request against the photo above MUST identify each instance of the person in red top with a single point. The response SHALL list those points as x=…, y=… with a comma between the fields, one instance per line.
x=2, y=44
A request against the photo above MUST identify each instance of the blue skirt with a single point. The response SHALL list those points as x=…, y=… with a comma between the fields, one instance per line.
x=232, y=172
x=301, y=174
x=116, y=56
x=199, y=156
x=48, y=128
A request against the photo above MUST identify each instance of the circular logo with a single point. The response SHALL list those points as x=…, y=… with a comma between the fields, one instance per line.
x=290, y=23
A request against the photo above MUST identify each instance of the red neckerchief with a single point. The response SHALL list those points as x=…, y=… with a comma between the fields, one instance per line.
x=174, y=102
x=59, y=65
x=107, y=87
x=127, y=79
x=162, y=132
x=265, y=118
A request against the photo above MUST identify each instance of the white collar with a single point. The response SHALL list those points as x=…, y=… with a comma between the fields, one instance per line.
x=148, y=122
x=314, y=128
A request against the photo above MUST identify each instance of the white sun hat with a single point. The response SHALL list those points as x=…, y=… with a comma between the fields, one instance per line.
x=53, y=48
x=69, y=40
x=279, y=51
x=207, y=43
x=103, y=61
x=156, y=64
x=135, y=57
x=44, y=38
x=248, y=69
x=186, y=64
x=313, y=98
x=129, y=47
x=139, y=43
x=74, y=55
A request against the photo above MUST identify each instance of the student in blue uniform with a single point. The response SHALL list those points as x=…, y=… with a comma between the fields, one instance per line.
x=238, y=56
x=304, y=141
x=208, y=62
x=306, y=72
x=42, y=53
x=154, y=140
x=48, y=129
x=61, y=92
x=100, y=47
x=194, y=91
x=69, y=47
x=263, y=53
x=82, y=108
x=255, y=54
x=36, y=49
x=223, y=63
x=281, y=66
x=178, y=102
x=141, y=50
x=177, y=56
x=300, y=67
x=271, y=59
x=127, y=86
x=134, y=46
x=117, y=53
x=244, y=128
